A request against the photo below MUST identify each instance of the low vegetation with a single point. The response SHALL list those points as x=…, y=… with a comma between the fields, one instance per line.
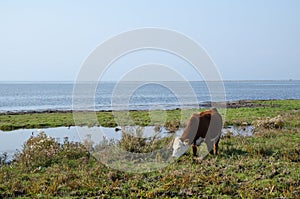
x=173, y=118
x=265, y=165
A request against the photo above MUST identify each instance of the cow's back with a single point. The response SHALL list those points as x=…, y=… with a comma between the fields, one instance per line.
x=214, y=127
x=208, y=125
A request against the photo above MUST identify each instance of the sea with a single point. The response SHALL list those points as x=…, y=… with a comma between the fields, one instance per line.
x=41, y=96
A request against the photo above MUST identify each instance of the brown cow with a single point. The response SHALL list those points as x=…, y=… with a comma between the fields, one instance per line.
x=205, y=126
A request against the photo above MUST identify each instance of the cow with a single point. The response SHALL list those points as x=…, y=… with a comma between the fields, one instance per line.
x=204, y=126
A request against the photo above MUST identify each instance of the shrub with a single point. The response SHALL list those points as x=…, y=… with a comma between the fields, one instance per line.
x=43, y=151
x=39, y=151
x=133, y=141
x=172, y=126
x=73, y=150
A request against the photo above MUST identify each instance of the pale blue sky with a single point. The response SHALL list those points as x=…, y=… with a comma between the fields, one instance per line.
x=48, y=41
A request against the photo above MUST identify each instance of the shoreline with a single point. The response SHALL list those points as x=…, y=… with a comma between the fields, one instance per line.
x=237, y=112
x=227, y=104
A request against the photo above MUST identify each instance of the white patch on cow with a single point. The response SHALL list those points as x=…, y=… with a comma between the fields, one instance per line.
x=179, y=147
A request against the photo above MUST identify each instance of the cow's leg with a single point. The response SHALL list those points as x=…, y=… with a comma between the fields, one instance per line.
x=209, y=145
x=216, y=146
x=213, y=147
x=194, y=149
x=199, y=141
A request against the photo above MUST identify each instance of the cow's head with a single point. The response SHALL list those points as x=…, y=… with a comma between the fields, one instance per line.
x=180, y=147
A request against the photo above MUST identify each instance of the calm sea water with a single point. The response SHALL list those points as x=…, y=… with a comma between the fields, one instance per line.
x=20, y=96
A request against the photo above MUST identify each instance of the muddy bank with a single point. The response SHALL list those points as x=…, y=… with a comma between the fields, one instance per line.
x=237, y=104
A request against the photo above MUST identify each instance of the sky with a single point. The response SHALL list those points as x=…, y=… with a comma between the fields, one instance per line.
x=247, y=40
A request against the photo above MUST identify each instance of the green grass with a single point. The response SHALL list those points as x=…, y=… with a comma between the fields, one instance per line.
x=272, y=109
x=263, y=166
x=144, y=118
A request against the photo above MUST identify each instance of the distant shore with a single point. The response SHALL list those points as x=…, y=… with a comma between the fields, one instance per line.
x=228, y=104
x=238, y=112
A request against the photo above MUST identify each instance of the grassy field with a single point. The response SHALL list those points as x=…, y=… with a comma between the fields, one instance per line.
x=265, y=165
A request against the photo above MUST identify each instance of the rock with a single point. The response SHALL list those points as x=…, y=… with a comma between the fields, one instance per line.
x=227, y=133
x=117, y=129
x=244, y=124
x=277, y=122
x=270, y=123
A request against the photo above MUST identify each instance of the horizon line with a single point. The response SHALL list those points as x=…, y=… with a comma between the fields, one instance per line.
x=72, y=81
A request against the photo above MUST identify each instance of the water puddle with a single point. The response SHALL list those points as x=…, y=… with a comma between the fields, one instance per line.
x=238, y=131
x=12, y=141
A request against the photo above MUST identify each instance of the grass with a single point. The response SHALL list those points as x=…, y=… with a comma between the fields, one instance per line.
x=253, y=167
x=263, y=166
x=10, y=122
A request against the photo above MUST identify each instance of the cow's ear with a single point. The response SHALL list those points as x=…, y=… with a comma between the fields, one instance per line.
x=186, y=142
